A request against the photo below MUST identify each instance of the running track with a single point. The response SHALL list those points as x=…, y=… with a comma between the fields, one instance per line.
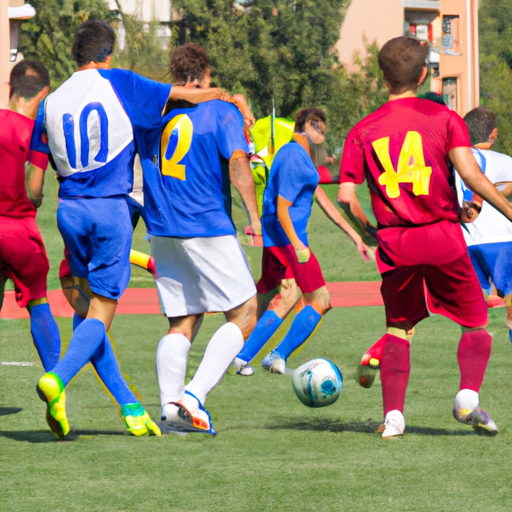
x=144, y=301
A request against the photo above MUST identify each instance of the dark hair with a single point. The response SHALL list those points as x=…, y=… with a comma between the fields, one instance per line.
x=402, y=60
x=303, y=116
x=480, y=122
x=188, y=63
x=28, y=78
x=93, y=42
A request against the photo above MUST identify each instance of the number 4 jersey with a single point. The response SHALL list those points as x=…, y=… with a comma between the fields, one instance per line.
x=402, y=151
x=93, y=124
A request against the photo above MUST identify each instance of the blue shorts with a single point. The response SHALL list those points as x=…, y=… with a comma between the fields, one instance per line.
x=98, y=234
x=493, y=262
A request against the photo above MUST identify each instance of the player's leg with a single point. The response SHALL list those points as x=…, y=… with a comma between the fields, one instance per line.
x=283, y=299
x=304, y=324
x=455, y=292
x=309, y=279
x=45, y=332
x=3, y=280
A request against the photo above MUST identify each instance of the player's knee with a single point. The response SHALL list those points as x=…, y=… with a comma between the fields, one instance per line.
x=244, y=316
x=320, y=299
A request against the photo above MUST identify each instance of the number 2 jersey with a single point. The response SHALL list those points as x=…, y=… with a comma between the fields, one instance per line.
x=185, y=185
x=402, y=151
x=93, y=125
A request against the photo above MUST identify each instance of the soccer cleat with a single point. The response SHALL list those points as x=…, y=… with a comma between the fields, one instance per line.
x=274, y=363
x=393, y=426
x=242, y=367
x=367, y=371
x=188, y=416
x=467, y=411
x=137, y=420
x=51, y=390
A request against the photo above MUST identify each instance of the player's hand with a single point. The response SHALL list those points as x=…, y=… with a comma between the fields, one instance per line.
x=469, y=212
x=242, y=105
x=302, y=252
x=253, y=238
x=365, y=251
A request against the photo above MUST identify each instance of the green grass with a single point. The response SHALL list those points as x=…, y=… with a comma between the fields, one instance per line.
x=271, y=452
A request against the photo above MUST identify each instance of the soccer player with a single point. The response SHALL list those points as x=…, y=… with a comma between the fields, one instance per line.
x=22, y=254
x=287, y=261
x=405, y=150
x=93, y=124
x=488, y=234
x=200, y=266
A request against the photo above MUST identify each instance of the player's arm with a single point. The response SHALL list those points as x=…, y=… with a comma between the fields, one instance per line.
x=505, y=187
x=348, y=201
x=241, y=176
x=34, y=181
x=330, y=210
x=468, y=169
x=283, y=215
x=198, y=95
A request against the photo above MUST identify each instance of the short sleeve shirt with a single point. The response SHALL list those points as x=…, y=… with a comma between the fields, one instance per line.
x=14, y=149
x=402, y=151
x=294, y=177
x=184, y=185
x=93, y=124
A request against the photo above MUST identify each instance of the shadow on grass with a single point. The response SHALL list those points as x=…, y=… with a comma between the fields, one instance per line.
x=363, y=427
x=45, y=436
x=5, y=411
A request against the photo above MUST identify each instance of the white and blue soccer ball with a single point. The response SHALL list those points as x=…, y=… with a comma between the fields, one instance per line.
x=317, y=383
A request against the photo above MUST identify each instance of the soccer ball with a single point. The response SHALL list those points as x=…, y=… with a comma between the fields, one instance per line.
x=317, y=383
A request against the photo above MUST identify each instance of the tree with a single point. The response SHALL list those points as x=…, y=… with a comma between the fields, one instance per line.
x=495, y=30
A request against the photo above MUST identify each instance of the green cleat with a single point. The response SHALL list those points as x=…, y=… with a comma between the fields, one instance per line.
x=137, y=420
x=51, y=390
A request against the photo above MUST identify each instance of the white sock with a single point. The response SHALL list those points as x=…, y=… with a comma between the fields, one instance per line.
x=219, y=354
x=171, y=366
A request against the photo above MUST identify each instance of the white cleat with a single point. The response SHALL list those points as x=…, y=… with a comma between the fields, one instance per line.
x=393, y=426
x=242, y=367
x=466, y=410
x=274, y=363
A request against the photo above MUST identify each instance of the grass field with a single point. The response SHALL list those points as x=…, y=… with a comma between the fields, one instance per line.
x=271, y=452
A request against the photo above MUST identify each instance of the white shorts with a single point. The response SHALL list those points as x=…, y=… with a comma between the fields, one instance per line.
x=200, y=275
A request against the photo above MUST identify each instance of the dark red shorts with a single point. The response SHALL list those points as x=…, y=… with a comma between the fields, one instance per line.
x=23, y=258
x=280, y=263
x=428, y=268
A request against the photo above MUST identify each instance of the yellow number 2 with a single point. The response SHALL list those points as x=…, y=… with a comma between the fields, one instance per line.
x=175, y=143
x=411, y=166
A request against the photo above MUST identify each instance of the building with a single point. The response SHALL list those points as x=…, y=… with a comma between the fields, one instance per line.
x=450, y=26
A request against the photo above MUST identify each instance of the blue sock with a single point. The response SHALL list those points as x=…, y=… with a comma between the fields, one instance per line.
x=265, y=328
x=77, y=320
x=106, y=365
x=45, y=334
x=300, y=330
x=85, y=341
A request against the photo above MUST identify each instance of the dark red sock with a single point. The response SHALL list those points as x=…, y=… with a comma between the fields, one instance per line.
x=395, y=367
x=375, y=351
x=473, y=355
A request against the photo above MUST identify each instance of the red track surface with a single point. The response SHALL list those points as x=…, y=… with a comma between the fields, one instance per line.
x=144, y=301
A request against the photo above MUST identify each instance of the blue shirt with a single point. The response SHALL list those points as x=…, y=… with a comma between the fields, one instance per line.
x=183, y=191
x=93, y=125
x=293, y=177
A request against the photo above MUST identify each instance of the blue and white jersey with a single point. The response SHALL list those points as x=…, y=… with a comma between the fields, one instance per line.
x=93, y=124
x=184, y=189
x=490, y=226
x=294, y=177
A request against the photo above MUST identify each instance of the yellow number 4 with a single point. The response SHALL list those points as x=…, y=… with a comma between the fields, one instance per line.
x=175, y=143
x=411, y=166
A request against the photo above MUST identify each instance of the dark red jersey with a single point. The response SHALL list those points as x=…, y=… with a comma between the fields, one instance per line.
x=14, y=152
x=402, y=151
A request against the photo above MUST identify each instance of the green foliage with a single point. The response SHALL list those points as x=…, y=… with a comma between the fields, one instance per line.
x=47, y=37
x=495, y=28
